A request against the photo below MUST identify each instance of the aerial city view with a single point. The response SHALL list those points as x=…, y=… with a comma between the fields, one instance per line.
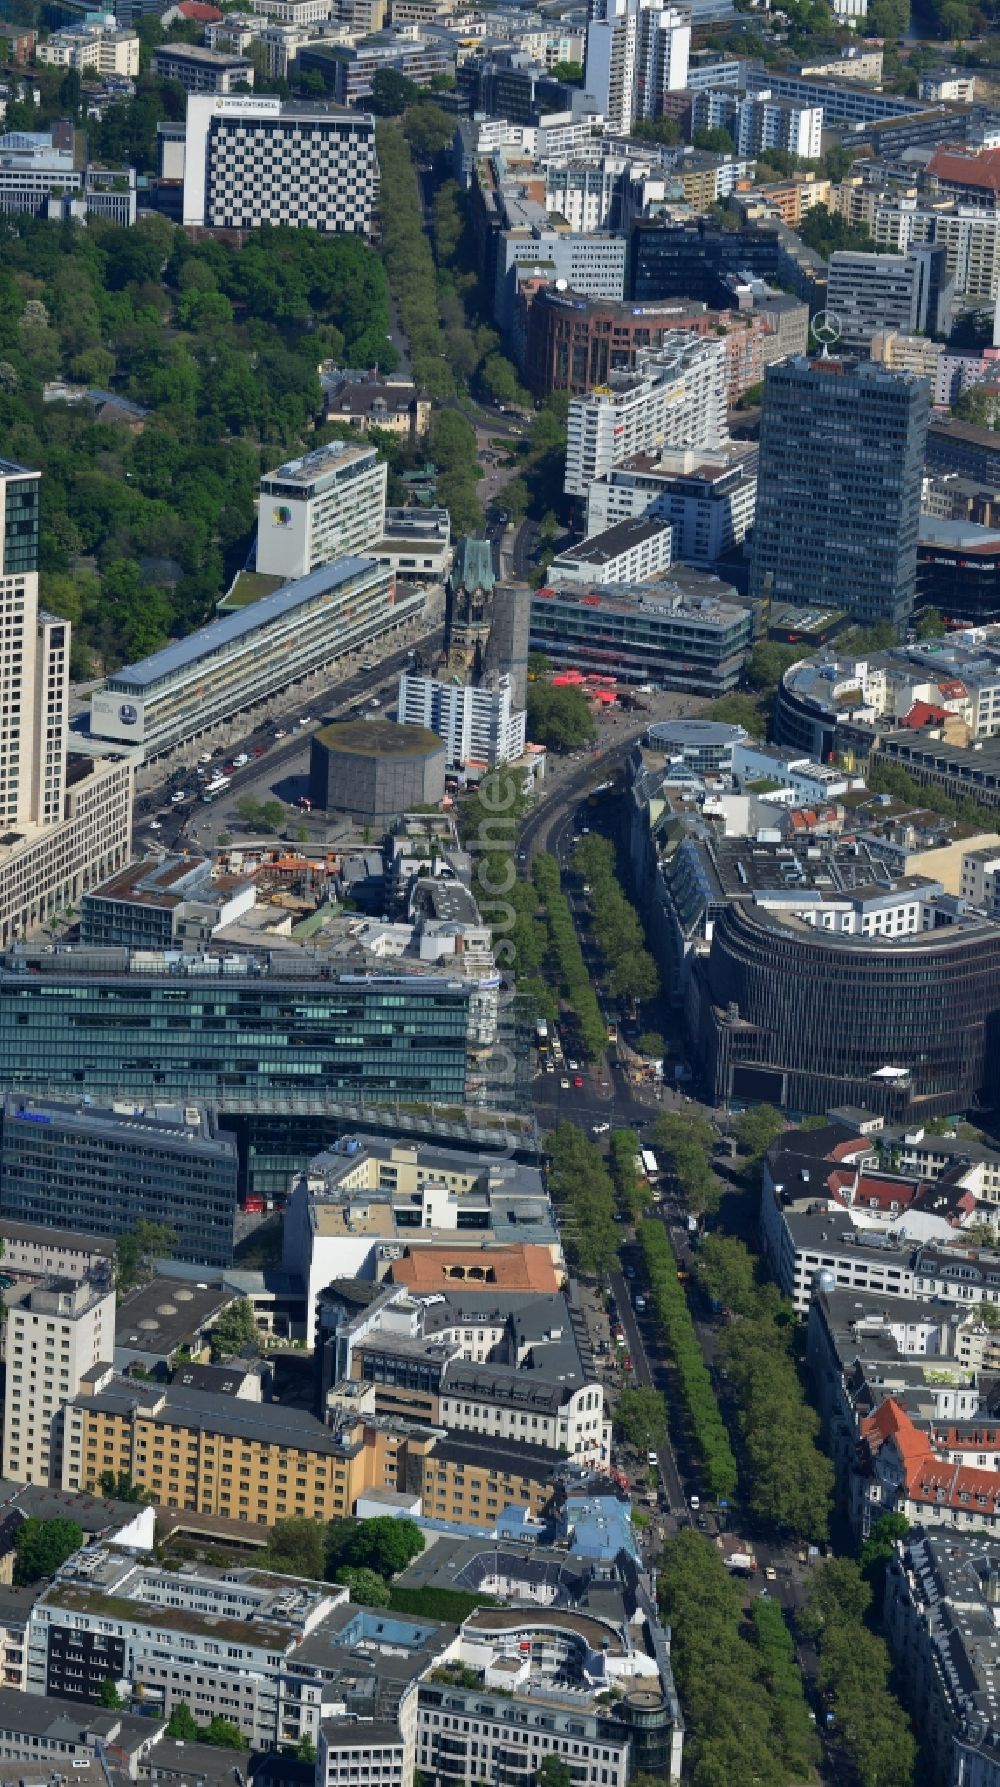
x=500, y=893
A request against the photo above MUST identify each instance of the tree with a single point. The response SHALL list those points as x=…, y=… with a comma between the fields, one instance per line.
x=385, y=1544
x=392, y=93
x=136, y=1250
x=755, y=1130
x=738, y=710
x=181, y=1724
x=641, y=1418
x=110, y=1696
x=119, y=1486
x=554, y=1771
x=559, y=717
x=428, y=129
x=296, y=1548
x=768, y=662
x=838, y=1595
x=651, y=1043
x=305, y=1749
x=930, y=624
x=367, y=1587
x=235, y=1329
x=224, y=1734
x=714, y=137
x=41, y=1547
x=658, y=130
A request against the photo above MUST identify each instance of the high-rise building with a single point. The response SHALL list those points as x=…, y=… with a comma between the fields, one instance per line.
x=55, y=1334
x=74, y=1166
x=62, y=831
x=838, y=493
x=637, y=50
x=251, y=159
x=676, y=397
x=328, y=505
x=868, y=293
x=479, y=724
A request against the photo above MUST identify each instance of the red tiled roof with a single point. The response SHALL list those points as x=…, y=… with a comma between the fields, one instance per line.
x=952, y=688
x=922, y=714
x=967, y=170
x=199, y=12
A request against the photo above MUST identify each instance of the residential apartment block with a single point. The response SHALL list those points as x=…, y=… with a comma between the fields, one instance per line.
x=630, y=551
x=252, y=160
x=637, y=51
x=324, y=506
x=55, y=1334
x=92, y=47
x=869, y=293
x=674, y=399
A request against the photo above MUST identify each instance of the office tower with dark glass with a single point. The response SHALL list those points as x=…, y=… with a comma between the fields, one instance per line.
x=838, y=495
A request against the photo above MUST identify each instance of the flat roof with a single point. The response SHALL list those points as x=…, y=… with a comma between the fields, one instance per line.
x=600, y=549
x=9, y=468
x=379, y=738
x=184, y=653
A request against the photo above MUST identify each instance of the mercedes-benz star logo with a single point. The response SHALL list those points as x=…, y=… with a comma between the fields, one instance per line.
x=825, y=328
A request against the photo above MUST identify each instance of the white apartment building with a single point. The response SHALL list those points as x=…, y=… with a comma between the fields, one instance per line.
x=254, y=160
x=708, y=496
x=479, y=725
x=675, y=398
x=756, y=121
x=328, y=505
x=637, y=51
x=971, y=241
x=55, y=1334
x=96, y=47
x=592, y=264
x=628, y=552
x=294, y=12
x=584, y=193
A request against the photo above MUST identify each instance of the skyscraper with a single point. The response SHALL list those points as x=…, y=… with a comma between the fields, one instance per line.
x=58, y=833
x=838, y=494
x=637, y=50
x=34, y=666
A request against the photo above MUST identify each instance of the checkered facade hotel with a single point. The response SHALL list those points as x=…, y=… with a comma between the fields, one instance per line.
x=251, y=160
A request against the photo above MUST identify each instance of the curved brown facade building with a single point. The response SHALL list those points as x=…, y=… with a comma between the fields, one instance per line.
x=572, y=343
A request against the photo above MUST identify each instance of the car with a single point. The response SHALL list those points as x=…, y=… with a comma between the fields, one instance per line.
x=227, y=769
x=154, y=825
x=564, y=1083
x=550, y=1067
x=241, y=760
x=694, y=1501
x=179, y=797
x=651, y=1458
x=279, y=732
x=574, y=1066
x=640, y=1304
x=368, y=665
x=770, y=1572
x=630, y=1271
x=578, y=1080
x=375, y=702
x=206, y=757
x=601, y=1128
x=259, y=750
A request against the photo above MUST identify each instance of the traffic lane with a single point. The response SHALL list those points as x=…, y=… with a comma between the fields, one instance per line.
x=336, y=696
x=666, y=1462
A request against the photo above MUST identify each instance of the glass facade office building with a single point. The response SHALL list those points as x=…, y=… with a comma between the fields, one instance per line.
x=907, y=1027
x=838, y=492
x=67, y=1165
x=245, y=1036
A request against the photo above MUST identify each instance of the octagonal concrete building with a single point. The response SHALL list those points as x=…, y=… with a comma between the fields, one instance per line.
x=375, y=768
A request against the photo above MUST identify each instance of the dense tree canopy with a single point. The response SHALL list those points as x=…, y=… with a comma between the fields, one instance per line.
x=40, y=1546
x=142, y=530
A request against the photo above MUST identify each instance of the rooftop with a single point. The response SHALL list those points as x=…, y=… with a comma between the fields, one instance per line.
x=186, y=654
x=624, y=536
x=379, y=738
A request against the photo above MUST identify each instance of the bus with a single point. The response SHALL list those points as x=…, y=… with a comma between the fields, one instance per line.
x=215, y=787
x=649, y=1164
